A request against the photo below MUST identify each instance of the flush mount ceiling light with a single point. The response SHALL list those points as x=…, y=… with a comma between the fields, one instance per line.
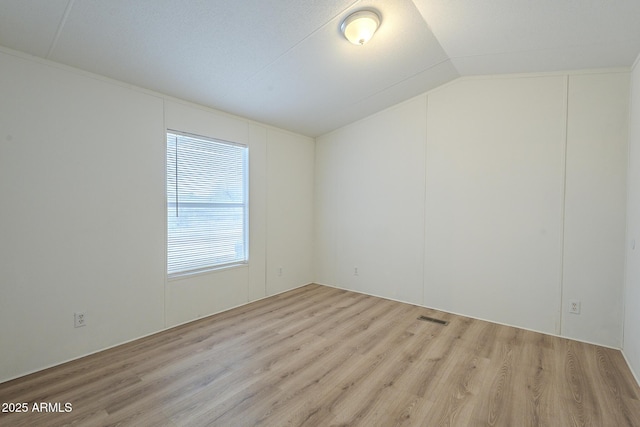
x=359, y=27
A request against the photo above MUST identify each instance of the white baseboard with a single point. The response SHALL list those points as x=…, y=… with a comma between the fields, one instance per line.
x=635, y=375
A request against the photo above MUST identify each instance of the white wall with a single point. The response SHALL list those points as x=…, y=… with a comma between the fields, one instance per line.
x=82, y=191
x=80, y=162
x=631, y=347
x=495, y=151
x=290, y=170
x=595, y=207
x=370, y=204
x=476, y=224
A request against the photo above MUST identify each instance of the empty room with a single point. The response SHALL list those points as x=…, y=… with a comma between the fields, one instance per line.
x=322, y=213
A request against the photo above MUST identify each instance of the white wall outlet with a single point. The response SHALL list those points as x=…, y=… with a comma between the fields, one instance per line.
x=79, y=319
x=355, y=271
x=280, y=271
x=574, y=306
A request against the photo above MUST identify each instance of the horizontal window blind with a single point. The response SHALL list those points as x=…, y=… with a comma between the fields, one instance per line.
x=206, y=203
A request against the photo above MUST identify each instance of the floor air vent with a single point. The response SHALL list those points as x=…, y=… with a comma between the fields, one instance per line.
x=431, y=319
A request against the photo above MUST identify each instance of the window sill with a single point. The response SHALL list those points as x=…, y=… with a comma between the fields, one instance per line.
x=189, y=274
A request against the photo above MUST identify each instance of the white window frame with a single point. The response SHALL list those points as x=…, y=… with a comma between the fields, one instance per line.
x=191, y=248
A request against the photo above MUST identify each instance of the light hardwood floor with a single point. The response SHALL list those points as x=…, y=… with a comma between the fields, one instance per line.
x=321, y=356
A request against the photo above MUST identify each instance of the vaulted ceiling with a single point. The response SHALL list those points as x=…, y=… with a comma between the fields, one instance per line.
x=285, y=62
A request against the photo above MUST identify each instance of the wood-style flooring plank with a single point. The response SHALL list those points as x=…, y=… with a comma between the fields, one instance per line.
x=320, y=356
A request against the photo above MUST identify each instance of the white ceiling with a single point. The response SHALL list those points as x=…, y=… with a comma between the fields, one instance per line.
x=285, y=63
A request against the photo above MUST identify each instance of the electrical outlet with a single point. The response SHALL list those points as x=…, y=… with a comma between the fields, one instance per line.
x=79, y=319
x=574, y=306
x=355, y=271
x=280, y=271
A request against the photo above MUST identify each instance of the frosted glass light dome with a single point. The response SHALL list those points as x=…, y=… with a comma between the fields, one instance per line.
x=360, y=26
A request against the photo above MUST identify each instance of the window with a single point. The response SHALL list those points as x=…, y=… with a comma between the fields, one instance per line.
x=206, y=203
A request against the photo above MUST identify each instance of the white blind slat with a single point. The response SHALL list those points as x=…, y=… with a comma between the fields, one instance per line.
x=206, y=203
